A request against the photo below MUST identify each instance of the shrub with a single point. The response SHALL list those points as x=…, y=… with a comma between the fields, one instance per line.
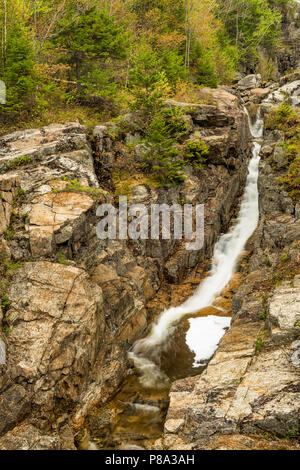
x=18, y=72
x=61, y=258
x=162, y=159
x=291, y=180
x=285, y=112
x=195, y=153
x=173, y=66
x=148, y=82
x=267, y=68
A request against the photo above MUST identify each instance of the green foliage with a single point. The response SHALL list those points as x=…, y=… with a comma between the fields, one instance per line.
x=284, y=257
x=11, y=266
x=203, y=66
x=291, y=180
x=293, y=433
x=75, y=186
x=161, y=127
x=18, y=72
x=148, y=82
x=176, y=122
x=18, y=161
x=163, y=16
x=61, y=258
x=287, y=119
x=58, y=56
x=173, y=65
x=225, y=57
x=196, y=152
x=162, y=158
x=5, y=301
x=259, y=344
x=250, y=25
x=281, y=117
x=91, y=41
x=284, y=112
x=267, y=68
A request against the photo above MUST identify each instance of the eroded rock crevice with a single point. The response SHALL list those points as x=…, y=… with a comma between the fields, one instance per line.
x=74, y=304
x=248, y=397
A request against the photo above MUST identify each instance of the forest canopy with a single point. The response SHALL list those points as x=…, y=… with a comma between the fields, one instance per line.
x=57, y=54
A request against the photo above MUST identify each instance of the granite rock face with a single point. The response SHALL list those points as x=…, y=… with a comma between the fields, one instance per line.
x=290, y=90
x=249, y=82
x=55, y=150
x=74, y=303
x=251, y=387
x=9, y=186
x=53, y=219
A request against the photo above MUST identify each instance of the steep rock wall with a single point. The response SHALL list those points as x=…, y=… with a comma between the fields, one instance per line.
x=73, y=304
x=249, y=395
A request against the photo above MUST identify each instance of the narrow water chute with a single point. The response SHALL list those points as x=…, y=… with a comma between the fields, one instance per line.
x=226, y=253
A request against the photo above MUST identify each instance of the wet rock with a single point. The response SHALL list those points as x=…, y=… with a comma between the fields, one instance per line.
x=237, y=394
x=267, y=150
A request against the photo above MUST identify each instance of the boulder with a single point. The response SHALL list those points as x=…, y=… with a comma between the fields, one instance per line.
x=39, y=155
x=249, y=82
x=56, y=329
x=55, y=218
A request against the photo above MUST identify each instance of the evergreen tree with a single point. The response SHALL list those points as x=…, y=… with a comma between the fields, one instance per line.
x=90, y=41
x=251, y=25
x=18, y=72
x=148, y=82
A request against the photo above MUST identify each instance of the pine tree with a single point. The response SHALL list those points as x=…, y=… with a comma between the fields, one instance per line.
x=89, y=41
x=18, y=72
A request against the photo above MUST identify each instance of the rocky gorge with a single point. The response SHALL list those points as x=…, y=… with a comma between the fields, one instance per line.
x=74, y=305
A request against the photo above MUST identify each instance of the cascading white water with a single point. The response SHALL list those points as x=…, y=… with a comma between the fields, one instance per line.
x=256, y=127
x=226, y=253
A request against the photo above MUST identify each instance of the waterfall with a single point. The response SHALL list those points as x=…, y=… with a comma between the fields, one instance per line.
x=226, y=253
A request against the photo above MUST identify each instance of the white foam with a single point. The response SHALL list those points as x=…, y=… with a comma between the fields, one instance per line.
x=204, y=335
